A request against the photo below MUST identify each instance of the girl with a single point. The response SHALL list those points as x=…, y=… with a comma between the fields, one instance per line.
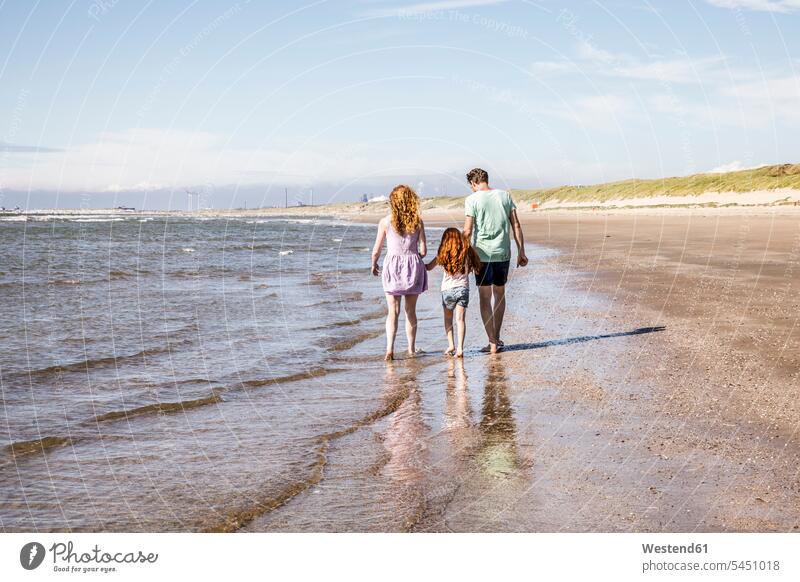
x=404, y=273
x=458, y=259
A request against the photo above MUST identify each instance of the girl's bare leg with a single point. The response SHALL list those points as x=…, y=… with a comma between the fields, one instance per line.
x=411, y=323
x=461, y=320
x=448, y=329
x=393, y=304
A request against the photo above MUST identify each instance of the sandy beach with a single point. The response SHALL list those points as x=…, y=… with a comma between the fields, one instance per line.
x=694, y=427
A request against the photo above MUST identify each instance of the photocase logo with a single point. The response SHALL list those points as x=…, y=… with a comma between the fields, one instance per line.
x=31, y=555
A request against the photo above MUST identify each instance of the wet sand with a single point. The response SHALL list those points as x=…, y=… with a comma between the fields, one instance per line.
x=651, y=385
x=718, y=435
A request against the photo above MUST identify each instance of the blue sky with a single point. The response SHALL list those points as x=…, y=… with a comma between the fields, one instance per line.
x=118, y=97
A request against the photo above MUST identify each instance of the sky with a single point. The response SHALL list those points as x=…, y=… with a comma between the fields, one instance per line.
x=109, y=102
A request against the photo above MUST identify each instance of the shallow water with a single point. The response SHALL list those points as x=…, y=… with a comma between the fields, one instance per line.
x=175, y=374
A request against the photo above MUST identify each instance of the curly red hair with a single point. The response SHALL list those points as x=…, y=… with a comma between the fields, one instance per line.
x=454, y=249
x=404, y=204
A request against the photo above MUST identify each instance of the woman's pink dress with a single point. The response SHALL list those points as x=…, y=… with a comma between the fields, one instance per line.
x=404, y=272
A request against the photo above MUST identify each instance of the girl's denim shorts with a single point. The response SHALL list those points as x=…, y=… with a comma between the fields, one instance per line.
x=456, y=296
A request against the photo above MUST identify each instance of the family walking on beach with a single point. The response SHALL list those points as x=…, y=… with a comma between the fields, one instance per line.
x=482, y=248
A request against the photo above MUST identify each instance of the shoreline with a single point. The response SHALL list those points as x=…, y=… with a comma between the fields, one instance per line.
x=432, y=209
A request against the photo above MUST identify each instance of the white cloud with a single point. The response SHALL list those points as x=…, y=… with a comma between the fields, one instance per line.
x=749, y=104
x=768, y=90
x=156, y=159
x=16, y=148
x=758, y=5
x=143, y=159
x=681, y=69
x=684, y=70
x=735, y=166
x=605, y=111
x=422, y=8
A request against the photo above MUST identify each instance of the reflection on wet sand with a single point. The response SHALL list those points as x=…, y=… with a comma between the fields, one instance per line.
x=404, y=442
x=458, y=409
x=497, y=453
x=480, y=477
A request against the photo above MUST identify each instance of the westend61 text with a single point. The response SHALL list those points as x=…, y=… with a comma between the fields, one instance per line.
x=670, y=549
x=65, y=553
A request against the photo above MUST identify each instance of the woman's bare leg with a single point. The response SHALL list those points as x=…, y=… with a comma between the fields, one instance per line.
x=411, y=323
x=393, y=305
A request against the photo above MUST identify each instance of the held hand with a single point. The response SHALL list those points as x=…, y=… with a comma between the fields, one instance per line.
x=375, y=270
x=522, y=259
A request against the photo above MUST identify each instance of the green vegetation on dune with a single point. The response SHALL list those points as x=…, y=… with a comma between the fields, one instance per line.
x=763, y=178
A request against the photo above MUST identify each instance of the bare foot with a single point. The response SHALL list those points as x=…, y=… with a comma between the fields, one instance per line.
x=415, y=353
x=460, y=354
x=490, y=349
x=388, y=357
x=450, y=351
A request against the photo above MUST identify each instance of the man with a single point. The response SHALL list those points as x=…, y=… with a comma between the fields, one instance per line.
x=490, y=217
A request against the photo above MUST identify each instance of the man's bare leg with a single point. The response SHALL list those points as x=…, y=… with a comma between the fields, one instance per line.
x=485, y=296
x=499, y=293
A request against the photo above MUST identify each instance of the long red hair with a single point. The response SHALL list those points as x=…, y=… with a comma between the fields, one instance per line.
x=404, y=205
x=454, y=249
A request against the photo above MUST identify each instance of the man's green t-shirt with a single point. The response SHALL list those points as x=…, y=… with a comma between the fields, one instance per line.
x=490, y=211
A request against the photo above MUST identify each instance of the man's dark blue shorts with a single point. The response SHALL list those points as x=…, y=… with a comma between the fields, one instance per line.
x=494, y=273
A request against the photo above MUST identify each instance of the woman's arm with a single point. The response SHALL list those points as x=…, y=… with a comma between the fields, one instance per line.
x=423, y=243
x=432, y=264
x=376, y=249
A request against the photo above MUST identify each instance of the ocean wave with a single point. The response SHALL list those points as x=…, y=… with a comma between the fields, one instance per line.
x=160, y=408
x=109, y=219
x=343, y=298
x=340, y=345
x=305, y=375
x=92, y=363
x=20, y=448
x=238, y=519
x=351, y=322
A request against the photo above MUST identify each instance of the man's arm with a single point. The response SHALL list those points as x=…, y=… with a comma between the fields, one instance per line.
x=516, y=228
x=468, y=222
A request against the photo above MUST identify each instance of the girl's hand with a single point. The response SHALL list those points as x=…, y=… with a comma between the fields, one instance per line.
x=375, y=270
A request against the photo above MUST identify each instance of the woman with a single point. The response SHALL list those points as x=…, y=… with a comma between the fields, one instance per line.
x=404, y=273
